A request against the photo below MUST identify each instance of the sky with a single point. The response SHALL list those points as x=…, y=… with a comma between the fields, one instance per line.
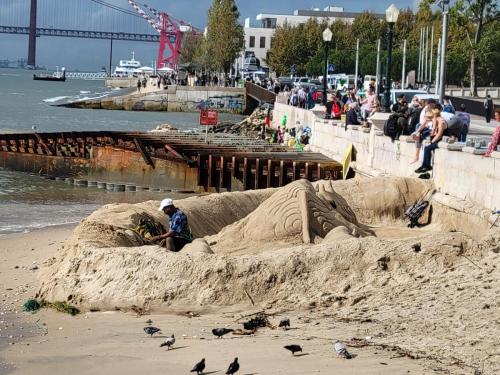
x=91, y=55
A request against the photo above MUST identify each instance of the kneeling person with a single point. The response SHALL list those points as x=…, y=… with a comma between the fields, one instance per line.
x=179, y=233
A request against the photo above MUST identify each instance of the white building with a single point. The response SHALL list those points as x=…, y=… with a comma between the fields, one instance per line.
x=258, y=39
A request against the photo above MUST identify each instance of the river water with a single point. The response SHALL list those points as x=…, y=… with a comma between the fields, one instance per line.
x=29, y=202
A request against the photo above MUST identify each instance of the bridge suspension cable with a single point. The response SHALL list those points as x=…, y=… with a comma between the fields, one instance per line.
x=116, y=7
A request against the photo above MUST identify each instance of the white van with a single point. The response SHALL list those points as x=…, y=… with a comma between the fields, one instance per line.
x=345, y=82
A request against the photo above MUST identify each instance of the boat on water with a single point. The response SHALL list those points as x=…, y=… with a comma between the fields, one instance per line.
x=127, y=68
x=59, y=76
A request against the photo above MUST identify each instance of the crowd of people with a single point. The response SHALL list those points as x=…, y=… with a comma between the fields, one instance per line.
x=420, y=119
x=296, y=137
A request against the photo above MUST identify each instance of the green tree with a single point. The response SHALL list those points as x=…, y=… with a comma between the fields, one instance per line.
x=192, y=49
x=296, y=45
x=367, y=28
x=225, y=35
x=488, y=67
x=475, y=16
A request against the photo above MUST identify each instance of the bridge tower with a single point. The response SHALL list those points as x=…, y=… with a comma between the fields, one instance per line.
x=32, y=35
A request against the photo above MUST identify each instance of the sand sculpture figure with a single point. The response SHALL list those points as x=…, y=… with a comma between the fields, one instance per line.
x=294, y=214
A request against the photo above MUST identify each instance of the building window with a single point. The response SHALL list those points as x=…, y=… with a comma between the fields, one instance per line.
x=262, y=42
x=252, y=42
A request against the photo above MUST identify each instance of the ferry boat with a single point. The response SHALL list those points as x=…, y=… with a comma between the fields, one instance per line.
x=128, y=67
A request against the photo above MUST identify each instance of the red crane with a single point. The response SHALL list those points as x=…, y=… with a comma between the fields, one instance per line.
x=170, y=30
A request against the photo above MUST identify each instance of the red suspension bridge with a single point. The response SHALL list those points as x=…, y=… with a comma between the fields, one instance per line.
x=95, y=19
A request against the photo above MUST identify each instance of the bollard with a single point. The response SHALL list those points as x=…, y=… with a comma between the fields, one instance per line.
x=130, y=188
x=81, y=183
x=119, y=187
x=101, y=185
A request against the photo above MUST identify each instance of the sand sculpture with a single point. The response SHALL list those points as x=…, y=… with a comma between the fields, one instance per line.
x=311, y=246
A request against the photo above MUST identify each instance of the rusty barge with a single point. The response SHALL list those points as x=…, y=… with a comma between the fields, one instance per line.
x=169, y=159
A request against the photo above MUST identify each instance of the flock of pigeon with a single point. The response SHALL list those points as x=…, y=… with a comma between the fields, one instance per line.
x=234, y=366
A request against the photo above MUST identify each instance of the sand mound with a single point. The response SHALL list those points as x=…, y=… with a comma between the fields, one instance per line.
x=112, y=225
x=421, y=294
x=374, y=201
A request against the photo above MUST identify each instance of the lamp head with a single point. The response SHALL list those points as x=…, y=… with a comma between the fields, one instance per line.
x=391, y=14
x=327, y=35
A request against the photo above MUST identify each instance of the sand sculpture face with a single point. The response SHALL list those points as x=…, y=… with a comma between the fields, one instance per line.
x=294, y=214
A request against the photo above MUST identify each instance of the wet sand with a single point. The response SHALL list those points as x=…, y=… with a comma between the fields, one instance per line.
x=114, y=343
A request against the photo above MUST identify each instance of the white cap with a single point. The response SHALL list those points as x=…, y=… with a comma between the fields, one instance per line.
x=165, y=203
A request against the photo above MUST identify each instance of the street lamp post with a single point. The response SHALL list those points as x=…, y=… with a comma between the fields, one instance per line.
x=327, y=38
x=391, y=16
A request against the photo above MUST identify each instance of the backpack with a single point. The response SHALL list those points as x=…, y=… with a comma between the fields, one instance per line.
x=336, y=112
x=391, y=128
x=414, y=120
x=414, y=212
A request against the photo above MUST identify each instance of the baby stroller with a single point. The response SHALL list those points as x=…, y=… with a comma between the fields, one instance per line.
x=414, y=212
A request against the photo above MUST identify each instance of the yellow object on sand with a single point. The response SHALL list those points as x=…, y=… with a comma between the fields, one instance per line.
x=346, y=161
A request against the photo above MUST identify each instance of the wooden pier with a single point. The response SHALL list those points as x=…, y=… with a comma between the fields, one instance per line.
x=225, y=162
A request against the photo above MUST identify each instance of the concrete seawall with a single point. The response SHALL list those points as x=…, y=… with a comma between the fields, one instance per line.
x=172, y=99
x=459, y=173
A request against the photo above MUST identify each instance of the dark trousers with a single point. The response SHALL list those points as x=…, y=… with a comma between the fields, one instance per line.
x=487, y=114
x=463, y=134
x=428, y=154
x=174, y=243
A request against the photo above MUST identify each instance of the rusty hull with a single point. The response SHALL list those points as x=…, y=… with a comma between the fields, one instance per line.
x=106, y=164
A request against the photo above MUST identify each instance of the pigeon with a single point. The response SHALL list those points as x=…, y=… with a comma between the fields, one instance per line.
x=233, y=367
x=285, y=323
x=168, y=342
x=293, y=348
x=199, y=367
x=151, y=330
x=341, y=350
x=219, y=332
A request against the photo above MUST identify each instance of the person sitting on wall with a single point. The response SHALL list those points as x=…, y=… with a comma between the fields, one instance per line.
x=495, y=139
x=351, y=115
x=439, y=127
x=179, y=233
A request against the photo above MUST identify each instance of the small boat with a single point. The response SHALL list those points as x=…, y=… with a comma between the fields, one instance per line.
x=56, y=77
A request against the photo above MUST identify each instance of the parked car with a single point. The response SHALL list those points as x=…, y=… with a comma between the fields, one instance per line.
x=285, y=81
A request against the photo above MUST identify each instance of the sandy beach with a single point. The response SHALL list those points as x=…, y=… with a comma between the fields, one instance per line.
x=335, y=257
x=50, y=342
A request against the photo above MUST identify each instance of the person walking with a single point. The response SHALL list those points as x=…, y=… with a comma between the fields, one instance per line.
x=488, y=108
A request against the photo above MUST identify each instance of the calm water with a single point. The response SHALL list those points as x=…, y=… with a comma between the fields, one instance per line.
x=28, y=202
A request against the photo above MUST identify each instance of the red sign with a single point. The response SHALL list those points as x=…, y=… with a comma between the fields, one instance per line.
x=209, y=117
